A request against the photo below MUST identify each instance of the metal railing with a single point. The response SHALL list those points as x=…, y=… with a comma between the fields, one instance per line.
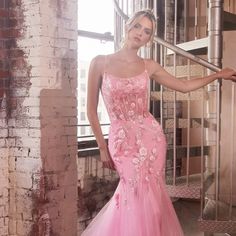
x=87, y=145
x=86, y=137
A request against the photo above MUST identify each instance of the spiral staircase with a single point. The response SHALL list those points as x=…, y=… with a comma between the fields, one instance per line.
x=192, y=47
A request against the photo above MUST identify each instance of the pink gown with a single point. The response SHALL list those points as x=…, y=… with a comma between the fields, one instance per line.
x=140, y=205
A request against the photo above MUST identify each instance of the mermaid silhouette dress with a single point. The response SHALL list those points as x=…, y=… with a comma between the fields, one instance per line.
x=140, y=205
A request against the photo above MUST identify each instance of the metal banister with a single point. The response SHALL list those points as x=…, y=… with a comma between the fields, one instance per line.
x=188, y=55
x=172, y=47
x=119, y=11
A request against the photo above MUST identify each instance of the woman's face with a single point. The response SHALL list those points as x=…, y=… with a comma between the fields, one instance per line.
x=140, y=33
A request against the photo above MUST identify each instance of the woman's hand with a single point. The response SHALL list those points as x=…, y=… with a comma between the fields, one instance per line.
x=228, y=74
x=106, y=159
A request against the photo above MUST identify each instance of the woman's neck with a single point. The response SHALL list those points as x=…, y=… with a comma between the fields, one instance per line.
x=128, y=54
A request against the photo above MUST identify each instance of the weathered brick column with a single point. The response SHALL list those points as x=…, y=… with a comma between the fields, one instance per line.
x=7, y=41
x=38, y=72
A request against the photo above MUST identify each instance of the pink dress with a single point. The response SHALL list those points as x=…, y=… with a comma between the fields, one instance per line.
x=140, y=205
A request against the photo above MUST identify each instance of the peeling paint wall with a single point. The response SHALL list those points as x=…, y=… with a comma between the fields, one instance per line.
x=14, y=87
x=38, y=109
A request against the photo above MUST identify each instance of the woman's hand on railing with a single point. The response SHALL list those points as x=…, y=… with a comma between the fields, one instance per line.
x=106, y=159
x=227, y=74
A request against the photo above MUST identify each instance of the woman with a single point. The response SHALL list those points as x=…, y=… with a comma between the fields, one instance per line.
x=140, y=205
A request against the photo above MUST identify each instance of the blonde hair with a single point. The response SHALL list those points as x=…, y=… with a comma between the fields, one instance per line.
x=136, y=17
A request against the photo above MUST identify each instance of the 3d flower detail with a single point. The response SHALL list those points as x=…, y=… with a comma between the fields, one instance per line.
x=152, y=158
x=143, y=151
x=117, y=198
x=136, y=161
x=132, y=105
x=121, y=134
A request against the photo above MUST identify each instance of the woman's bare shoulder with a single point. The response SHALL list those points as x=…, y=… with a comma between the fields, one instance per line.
x=98, y=60
x=151, y=62
x=97, y=64
x=152, y=66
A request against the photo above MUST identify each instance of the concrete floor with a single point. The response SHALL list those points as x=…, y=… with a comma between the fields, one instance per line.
x=188, y=213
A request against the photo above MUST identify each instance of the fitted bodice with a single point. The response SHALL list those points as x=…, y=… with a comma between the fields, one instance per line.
x=126, y=98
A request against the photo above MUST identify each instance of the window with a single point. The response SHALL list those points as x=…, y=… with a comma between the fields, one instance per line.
x=82, y=101
x=91, y=18
x=82, y=73
x=83, y=87
x=83, y=130
x=91, y=21
x=82, y=116
x=99, y=115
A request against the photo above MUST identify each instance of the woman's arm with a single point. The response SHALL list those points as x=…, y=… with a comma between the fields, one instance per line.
x=93, y=87
x=94, y=83
x=160, y=75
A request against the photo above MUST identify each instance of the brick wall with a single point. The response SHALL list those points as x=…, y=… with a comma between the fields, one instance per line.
x=38, y=173
x=11, y=61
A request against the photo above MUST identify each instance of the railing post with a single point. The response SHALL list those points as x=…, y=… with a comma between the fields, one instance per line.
x=215, y=35
x=215, y=32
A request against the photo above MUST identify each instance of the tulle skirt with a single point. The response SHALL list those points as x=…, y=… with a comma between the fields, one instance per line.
x=140, y=205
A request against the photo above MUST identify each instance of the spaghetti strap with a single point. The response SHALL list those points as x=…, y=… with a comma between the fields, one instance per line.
x=105, y=64
x=145, y=67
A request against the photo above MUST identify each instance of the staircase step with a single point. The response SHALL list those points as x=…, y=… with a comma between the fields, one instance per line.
x=181, y=151
x=192, y=190
x=229, y=21
x=182, y=71
x=182, y=123
x=169, y=96
x=196, y=47
x=223, y=210
x=217, y=226
x=223, y=222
